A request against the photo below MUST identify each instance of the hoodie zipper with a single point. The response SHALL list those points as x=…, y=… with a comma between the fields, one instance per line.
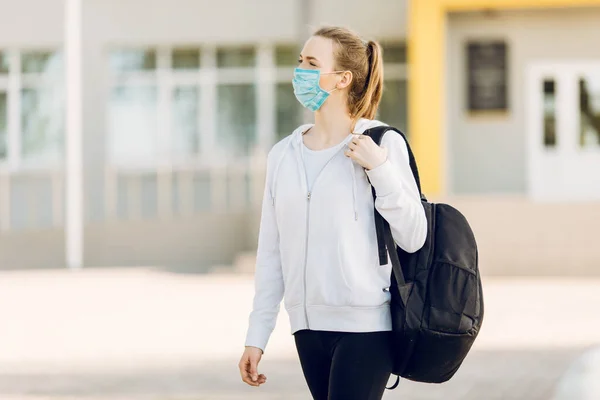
x=306, y=247
x=308, y=197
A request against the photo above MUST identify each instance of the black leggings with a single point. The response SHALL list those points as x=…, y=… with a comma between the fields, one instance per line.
x=345, y=365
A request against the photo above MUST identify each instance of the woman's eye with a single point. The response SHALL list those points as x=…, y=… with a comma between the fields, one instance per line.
x=310, y=63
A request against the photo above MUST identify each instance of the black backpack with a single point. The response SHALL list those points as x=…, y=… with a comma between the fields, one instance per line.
x=436, y=292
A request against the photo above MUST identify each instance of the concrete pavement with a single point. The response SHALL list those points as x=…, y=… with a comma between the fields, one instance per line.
x=141, y=333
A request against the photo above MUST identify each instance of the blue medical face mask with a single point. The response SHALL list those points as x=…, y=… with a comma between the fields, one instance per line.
x=307, y=89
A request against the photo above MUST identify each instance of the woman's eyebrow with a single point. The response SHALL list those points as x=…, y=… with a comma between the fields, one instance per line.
x=310, y=58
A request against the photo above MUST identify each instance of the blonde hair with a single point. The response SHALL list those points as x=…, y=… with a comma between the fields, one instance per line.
x=364, y=60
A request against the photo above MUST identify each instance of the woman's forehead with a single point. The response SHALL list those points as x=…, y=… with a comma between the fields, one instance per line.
x=320, y=48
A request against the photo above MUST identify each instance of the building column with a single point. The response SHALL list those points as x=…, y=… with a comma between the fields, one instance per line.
x=73, y=142
x=426, y=60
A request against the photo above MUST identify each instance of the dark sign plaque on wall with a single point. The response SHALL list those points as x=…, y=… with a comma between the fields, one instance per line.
x=487, y=76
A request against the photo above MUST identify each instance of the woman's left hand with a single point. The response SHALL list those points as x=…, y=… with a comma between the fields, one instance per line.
x=366, y=152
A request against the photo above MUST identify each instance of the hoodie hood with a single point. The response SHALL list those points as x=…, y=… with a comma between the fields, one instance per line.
x=295, y=141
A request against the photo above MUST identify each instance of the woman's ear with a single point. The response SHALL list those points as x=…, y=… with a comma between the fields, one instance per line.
x=345, y=81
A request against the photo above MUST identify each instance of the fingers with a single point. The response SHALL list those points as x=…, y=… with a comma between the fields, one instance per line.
x=244, y=366
x=355, y=141
x=262, y=379
x=360, y=140
x=253, y=370
x=246, y=377
x=259, y=381
x=354, y=145
x=248, y=381
x=351, y=154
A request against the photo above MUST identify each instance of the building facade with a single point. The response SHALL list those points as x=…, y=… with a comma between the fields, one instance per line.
x=181, y=102
x=505, y=97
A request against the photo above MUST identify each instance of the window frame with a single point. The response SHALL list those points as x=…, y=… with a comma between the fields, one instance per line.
x=396, y=71
x=166, y=79
x=13, y=83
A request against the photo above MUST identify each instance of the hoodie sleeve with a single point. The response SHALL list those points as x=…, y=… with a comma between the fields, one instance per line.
x=268, y=277
x=397, y=195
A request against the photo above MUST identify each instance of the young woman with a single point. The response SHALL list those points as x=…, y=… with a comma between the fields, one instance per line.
x=317, y=246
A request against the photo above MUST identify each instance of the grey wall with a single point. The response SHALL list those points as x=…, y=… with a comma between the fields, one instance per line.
x=190, y=244
x=31, y=23
x=486, y=154
x=238, y=21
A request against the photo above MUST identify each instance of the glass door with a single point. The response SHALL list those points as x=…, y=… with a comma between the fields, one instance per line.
x=563, y=131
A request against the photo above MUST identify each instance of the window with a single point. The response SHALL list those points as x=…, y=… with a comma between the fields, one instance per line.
x=198, y=103
x=133, y=107
x=289, y=110
x=589, y=106
x=42, y=124
x=154, y=110
x=393, y=107
x=393, y=53
x=236, y=124
x=3, y=63
x=287, y=55
x=38, y=118
x=47, y=63
x=183, y=103
x=185, y=59
x=237, y=103
x=132, y=124
x=42, y=107
x=487, y=76
x=133, y=60
x=3, y=106
x=3, y=127
x=185, y=117
x=236, y=57
x=549, y=88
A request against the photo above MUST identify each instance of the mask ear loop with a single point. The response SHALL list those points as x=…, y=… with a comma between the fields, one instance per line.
x=332, y=72
x=329, y=73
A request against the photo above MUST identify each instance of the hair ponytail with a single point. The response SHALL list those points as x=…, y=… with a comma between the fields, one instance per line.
x=364, y=60
x=369, y=101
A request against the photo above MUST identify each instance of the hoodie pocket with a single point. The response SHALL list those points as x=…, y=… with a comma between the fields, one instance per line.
x=365, y=279
x=337, y=289
x=327, y=283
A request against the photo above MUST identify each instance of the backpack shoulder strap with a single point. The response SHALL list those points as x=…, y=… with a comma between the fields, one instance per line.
x=377, y=135
x=381, y=226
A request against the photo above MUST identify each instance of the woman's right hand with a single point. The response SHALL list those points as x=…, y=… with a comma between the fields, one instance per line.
x=249, y=366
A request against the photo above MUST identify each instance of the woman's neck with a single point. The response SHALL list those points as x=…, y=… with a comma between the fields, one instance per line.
x=330, y=128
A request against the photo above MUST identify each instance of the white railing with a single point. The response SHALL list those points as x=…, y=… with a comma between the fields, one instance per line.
x=7, y=180
x=227, y=185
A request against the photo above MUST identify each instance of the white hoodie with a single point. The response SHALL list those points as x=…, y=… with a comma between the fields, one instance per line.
x=318, y=250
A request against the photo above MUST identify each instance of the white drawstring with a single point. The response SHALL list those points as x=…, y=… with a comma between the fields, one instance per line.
x=354, y=190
